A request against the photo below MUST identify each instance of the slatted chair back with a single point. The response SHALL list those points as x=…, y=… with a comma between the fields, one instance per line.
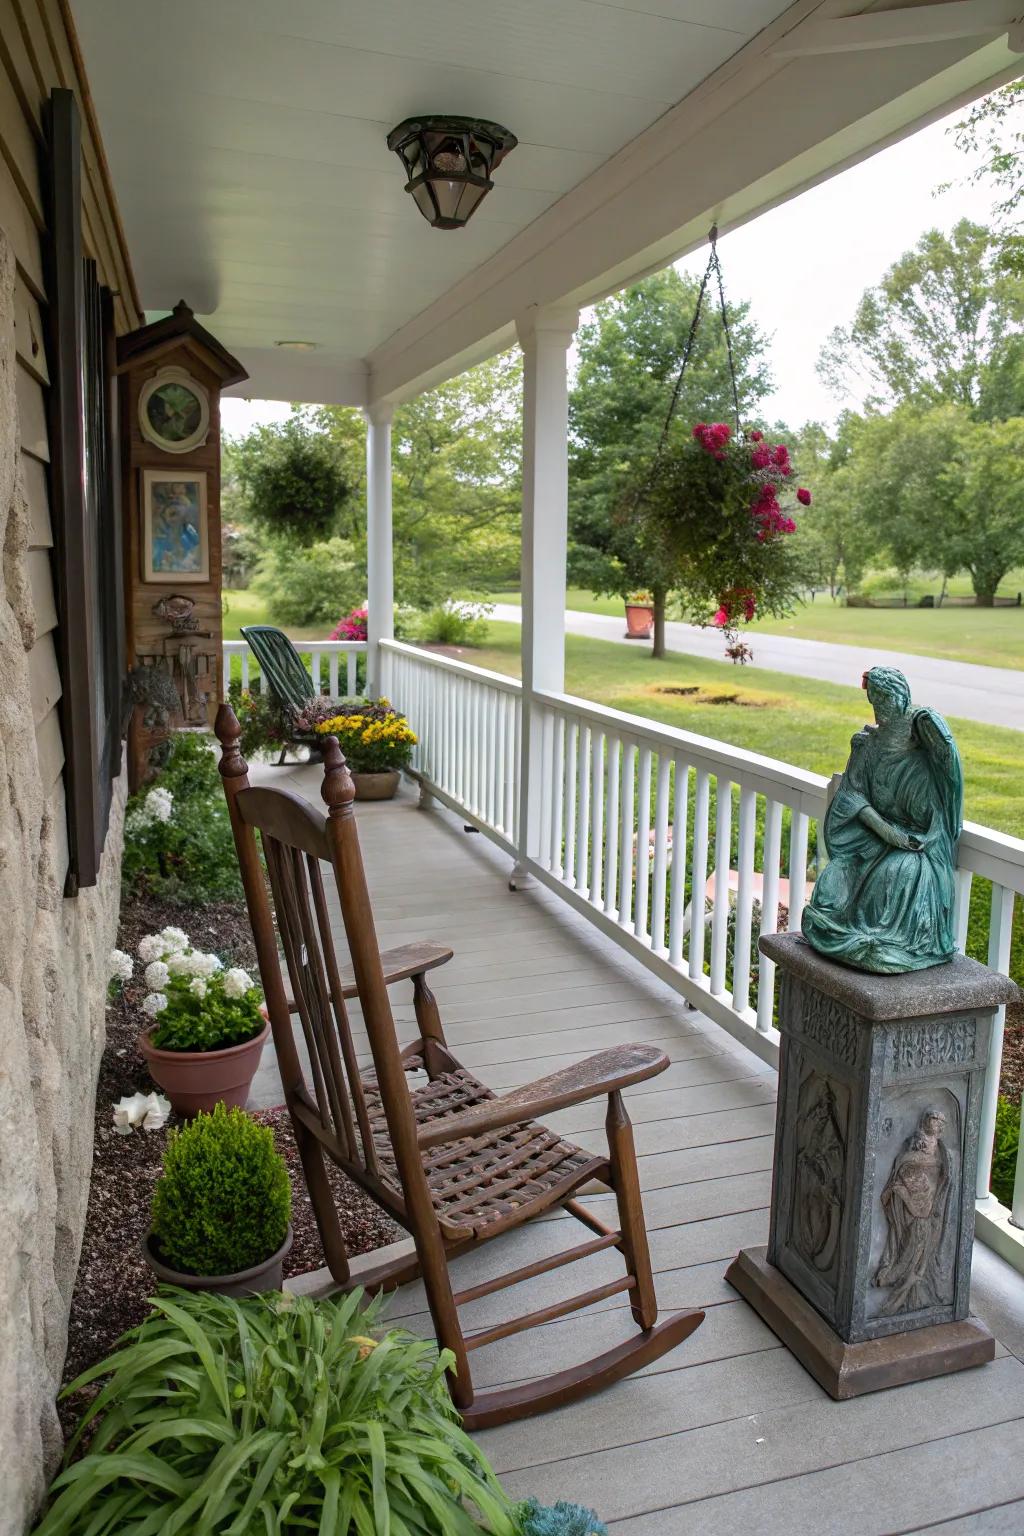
x=296, y=840
x=280, y=664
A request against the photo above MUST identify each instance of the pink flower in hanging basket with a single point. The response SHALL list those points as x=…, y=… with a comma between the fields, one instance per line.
x=761, y=457
x=720, y=619
x=757, y=437
x=803, y=496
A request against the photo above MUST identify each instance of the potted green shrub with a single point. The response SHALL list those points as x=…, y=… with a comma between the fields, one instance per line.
x=207, y=1028
x=221, y=1217
x=376, y=741
x=639, y=615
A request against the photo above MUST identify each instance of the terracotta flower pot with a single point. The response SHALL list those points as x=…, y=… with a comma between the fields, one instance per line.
x=268, y=1276
x=376, y=786
x=195, y=1080
x=639, y=621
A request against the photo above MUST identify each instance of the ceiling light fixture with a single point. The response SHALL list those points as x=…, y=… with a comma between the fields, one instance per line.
x=449, y=161
x=297, y=346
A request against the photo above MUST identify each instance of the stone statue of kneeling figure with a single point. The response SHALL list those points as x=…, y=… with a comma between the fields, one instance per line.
x=884, y=901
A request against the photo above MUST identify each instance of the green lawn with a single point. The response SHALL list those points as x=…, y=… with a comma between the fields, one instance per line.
x=993, y=637
x=792, y=718
x=247, y=607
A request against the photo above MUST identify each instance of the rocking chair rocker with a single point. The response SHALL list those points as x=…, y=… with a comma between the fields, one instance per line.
x=450, y=1161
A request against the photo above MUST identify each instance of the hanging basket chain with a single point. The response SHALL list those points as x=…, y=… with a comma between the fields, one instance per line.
x=713, y=266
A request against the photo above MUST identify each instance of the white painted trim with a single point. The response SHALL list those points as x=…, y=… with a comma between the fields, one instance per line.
x=906, y=27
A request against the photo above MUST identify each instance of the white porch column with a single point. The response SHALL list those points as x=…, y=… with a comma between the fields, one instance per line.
x=380, y=564
x=545, y=335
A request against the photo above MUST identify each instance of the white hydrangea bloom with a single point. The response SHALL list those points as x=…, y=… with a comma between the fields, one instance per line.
x=157, y=1110
x=237, y=982
x=156, y=975
x=179, y=964
x=154, y=1003
x=151, y=948
x=204, y=965
x=120, y=966
x=175, y=940
x=158, y=805
x=129, y=1112
x=197, y=986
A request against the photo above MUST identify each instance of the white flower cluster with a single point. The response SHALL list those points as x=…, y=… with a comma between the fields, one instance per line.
x=121, y=967
x=170, y=953
x=149, y=1110
x=237, y=982
x=158, y=806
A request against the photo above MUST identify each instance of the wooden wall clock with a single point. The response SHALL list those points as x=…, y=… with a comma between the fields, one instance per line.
x=171, y=376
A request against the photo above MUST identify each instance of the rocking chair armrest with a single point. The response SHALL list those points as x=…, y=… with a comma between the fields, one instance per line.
x=606, y=1072
x=403, y=962
x=399, y=964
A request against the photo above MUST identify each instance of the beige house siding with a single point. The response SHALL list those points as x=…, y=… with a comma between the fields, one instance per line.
x=53, y=954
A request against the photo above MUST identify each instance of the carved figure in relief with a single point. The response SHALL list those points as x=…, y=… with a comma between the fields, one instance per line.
x=916, y=1204
x=884, y=902
x=820, y=1171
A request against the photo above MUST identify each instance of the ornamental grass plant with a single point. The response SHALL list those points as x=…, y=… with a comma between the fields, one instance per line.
x=224, y=1199
x=274, y=1414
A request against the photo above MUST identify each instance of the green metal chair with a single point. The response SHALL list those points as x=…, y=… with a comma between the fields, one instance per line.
x=285, y=673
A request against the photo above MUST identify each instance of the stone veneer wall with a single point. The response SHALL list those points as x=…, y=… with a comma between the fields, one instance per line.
x=53, y=971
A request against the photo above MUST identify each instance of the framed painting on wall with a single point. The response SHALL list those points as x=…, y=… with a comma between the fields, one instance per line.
x=175, y=536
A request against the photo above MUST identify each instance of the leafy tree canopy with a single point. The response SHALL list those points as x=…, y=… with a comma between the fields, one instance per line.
x=943, y=325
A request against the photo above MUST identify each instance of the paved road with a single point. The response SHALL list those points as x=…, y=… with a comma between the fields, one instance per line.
x=992, y=695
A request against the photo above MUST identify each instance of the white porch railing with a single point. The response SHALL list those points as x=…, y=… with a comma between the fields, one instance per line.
x=678, y=847
x=333, y=663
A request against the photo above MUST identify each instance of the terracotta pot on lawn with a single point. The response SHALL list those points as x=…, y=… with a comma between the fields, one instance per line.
x=376, y=786
x=197, y=1080
x=639, y=621
x=268, y=1276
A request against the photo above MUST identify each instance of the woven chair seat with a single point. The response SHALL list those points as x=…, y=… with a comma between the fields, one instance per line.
x=480, y=1181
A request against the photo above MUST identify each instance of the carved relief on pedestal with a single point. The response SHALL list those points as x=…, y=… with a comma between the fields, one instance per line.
x=830, y=1025
x=920, y=1192
x=819, y=1171
x=939, y=1043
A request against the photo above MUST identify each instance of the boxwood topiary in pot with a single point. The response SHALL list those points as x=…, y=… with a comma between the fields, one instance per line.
x=222, y=1207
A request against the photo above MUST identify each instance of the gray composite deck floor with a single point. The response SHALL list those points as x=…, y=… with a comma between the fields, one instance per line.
x=727, y=1432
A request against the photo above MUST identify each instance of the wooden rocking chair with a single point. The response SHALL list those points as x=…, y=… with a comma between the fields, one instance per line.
x=450, y=1161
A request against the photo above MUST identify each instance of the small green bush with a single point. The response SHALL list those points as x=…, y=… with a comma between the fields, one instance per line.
x=1004, y=1150
x=178, y=844
x=313, y=584
x=454, y=622
x=224, y=1200
x=276, y=1413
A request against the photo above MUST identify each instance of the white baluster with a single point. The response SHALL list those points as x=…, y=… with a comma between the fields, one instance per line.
x=769, y=911
x=314, y=667
x=581, y=841
x=627, y=783
x=658, y=883
x=596, y=813
x=643, y=842
x=245, y=669
x=677, y=892
x=1000, y=935
x=797, y=870
x=699, y=872
x=513, y=705
x=569, y=802
x=611, y=827
x=744, y=901
x=723, y=861
x=557, y=780
x=962, y=907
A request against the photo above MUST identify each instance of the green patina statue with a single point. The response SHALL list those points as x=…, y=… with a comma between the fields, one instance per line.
x=884, y=901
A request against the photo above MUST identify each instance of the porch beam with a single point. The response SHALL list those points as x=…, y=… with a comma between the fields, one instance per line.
x=380, y=560
x=545, y=335
x=942, y=22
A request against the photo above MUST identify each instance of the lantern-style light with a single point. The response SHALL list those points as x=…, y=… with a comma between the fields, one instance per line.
x=449, y=161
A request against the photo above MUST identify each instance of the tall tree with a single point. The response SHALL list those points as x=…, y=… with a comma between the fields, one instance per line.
x=628, y=358
x=992, y=134
x=930, y=330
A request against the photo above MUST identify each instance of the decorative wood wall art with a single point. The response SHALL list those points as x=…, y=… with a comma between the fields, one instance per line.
x=171, y=376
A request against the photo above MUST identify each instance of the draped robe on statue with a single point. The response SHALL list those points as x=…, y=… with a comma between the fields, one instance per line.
x=878, y=906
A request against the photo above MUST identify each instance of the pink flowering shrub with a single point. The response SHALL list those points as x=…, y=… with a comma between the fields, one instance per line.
x=351, y=627
x=718, y=511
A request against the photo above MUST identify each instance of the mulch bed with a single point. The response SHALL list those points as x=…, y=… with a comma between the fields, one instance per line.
x=113, y=1281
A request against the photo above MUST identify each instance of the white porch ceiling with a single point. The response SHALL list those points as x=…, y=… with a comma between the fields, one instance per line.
x=246, y=144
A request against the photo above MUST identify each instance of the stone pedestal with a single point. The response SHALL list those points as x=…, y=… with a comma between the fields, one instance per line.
x=867, y=1272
